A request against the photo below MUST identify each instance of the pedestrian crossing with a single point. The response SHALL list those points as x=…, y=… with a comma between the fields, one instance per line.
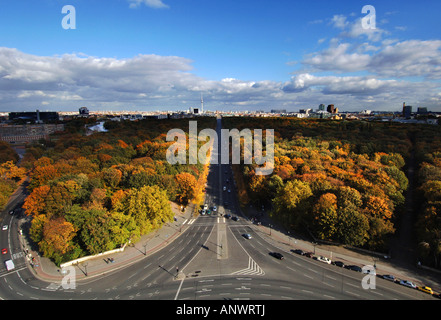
x=253, y=269
x=189, y=221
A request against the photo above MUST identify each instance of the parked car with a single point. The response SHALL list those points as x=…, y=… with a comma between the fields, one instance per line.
x=353, y=268
x=235, y=218
x=298, y=251
x=309, y=254
x=246, y=236
x=425, y=289
x=388, y=277
x=407, y=284
x=277, y=255
x=214, y=208
x=228, y=216
x=338, y=264
x=323, y=259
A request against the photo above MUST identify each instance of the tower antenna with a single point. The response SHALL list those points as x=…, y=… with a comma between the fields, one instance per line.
x=202, y=104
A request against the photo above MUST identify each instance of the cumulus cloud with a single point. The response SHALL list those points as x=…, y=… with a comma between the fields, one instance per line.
x=337, y=59
x=167, y=82
x=149, y=3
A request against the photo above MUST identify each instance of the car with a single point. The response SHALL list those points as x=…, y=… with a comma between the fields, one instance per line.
x=323, y=259
x=205, y=206
x=425, y=289
x=5, y=227
x=4, y=251
x=338, y=264
x=214, y=209
x=11, y=212
x=309, y=254
x=228, y=216
x=246, y=236
x=277, y=255
x=353, y=268
x=388, y=277
x=407, y=284
x=235, y=218
x=298, y=251
x=229, y=190
x=225, y=188
x=203, y=212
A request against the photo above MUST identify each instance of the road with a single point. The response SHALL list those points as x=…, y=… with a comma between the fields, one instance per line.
x=209, y=260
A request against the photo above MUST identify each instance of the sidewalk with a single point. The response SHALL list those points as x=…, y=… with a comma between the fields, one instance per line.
x=285, y=242
x=46, y=270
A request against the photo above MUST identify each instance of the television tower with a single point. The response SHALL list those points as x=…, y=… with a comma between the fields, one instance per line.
x=202, y=104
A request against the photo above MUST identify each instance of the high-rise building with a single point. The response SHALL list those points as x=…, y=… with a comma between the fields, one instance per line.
x=407, y=111
x=321, y=107
x=331, y=108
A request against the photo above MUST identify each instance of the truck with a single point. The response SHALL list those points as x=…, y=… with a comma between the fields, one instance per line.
x=9, y=265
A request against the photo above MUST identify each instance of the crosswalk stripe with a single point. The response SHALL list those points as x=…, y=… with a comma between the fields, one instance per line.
x=253, y=269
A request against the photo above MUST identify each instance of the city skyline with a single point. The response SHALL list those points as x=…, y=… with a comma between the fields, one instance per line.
x=240, y=55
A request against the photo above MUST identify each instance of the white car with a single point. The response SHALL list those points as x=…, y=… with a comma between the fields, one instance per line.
x=408, y=284
x=205, y=206
x=225, y=188
x=5, y=227
x=324, y=259
x=214, y=209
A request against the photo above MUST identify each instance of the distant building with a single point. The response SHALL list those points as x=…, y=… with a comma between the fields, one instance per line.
x=422, y=110
x=331, y=109
x=36, y=117
x=278, y=111
x=407, y=111
x=84, y=112
x=321, y=107
x=22, y=134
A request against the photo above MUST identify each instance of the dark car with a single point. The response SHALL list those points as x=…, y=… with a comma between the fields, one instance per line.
x=228, y=216
x=277, y=255
x=235, y=218
x=353, y=268
x=338, y=264
x=389, y=277
x=309, y=255
x=298, y=251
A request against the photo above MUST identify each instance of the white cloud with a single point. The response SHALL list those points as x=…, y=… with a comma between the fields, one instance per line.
x=168, y=82
x=337, y=59
x=149, y=3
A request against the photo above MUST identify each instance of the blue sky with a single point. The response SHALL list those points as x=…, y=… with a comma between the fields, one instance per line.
x=242, y=54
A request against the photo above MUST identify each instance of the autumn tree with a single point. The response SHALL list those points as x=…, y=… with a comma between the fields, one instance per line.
x=57, y=239
x=186, y=185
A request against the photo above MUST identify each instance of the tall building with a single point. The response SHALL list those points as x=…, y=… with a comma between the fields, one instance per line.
x=407, y=111
x=321, y=107
x=331, y=108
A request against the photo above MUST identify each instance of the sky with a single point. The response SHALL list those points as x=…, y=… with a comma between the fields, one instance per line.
x=147, y=55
